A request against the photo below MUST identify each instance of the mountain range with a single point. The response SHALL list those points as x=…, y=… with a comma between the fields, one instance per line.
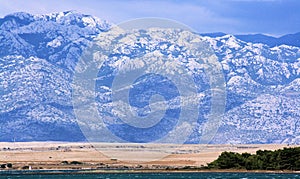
x=289, y=39
x=38, y=55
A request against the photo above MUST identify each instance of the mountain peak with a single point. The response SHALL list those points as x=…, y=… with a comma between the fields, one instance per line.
x=73, y=17
x=20, y=15
x=57, y=16
x=15, y=20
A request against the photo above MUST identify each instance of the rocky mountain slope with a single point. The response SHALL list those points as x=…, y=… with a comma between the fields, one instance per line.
x=38, y=55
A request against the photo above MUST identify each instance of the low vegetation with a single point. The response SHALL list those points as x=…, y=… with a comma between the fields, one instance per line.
x=76, y=163
x=282, y=159
x=8, y=165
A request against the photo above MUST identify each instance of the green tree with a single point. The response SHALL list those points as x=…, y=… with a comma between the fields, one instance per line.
x=282, y=159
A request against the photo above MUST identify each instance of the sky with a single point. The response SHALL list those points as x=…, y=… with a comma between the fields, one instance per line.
x=272, y=17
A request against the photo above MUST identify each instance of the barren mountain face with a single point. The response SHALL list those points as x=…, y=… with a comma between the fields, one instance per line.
x=38, y=56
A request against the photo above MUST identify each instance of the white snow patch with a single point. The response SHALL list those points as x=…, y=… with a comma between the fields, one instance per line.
x=89, y=21
x=55, y=43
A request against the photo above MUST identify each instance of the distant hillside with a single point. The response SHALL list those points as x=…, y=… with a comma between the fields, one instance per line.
x=290, y=39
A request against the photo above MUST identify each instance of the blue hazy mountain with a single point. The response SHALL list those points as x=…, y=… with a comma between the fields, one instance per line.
x=289, y=39
x=38, y=55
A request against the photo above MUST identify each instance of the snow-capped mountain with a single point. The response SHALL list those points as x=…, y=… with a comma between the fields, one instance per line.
x=38, y=55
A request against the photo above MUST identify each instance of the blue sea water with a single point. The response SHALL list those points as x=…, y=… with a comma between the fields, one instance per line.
x=210, y=175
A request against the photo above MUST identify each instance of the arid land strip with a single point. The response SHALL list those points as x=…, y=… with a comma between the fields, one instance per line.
x=60, y=155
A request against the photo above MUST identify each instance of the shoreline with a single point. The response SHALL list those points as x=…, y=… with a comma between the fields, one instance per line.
x=115, y=171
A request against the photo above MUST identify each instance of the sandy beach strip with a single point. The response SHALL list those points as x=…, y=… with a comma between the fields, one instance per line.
x=62, y=155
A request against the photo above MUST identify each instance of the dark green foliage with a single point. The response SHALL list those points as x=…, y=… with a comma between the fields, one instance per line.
x=75, y=163
x=65, y=162
x=282, y=159
x=228, y=160
x=9, y=165
x=25, y=167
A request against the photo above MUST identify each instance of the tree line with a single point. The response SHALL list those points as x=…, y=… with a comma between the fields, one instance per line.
x=281, y=159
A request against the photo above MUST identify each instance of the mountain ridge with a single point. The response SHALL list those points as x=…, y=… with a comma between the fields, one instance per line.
x=288, y=39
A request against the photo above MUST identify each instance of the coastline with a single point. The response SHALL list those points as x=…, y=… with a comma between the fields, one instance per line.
x=116, y=171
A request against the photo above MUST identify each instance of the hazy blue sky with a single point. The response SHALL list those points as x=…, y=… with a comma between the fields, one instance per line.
x=232, y=16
